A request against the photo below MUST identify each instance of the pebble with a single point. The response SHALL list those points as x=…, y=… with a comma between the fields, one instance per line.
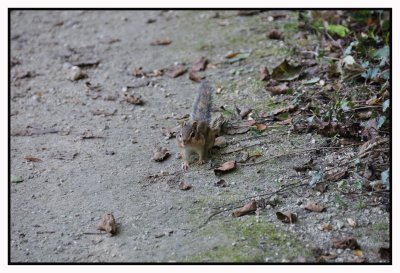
x=75, y=73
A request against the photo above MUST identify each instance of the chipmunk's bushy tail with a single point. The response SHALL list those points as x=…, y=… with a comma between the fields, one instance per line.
x=201, y=109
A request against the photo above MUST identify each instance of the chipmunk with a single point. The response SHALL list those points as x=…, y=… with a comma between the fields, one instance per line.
x=198, y=134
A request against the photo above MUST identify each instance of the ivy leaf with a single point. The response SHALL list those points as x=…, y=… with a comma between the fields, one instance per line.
x=385, y=178
x=381, y=120
x=345, y=105
x=385, y=105
x=340, y=30
x=316, y=177
x=370, y=73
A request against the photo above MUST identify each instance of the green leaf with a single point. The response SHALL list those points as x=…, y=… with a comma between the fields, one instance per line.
x=385, y=105
x=340, y=30
x=16, y=179
x=381, y=120
x=385, y=178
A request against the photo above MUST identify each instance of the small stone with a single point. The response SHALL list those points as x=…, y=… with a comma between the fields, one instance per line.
x=75, y=73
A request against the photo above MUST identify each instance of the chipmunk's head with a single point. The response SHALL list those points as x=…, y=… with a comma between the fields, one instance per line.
x=187, y=133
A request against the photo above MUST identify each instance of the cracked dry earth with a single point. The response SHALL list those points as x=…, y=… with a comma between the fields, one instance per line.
x=82, y=150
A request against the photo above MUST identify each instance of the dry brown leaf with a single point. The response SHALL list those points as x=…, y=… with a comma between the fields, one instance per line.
x=264, y=74
x=278, y=89
x=286, y=109
x=176, y=71
x=170, y=132
x=246, y=209
x=351, y=222
x=261, y=127
x=195, y=77
x=313, y=206
x=275, y=34
x=32, y=159
x=225, y=167
x=107, y=223
x=326, y=258
x=232, y=55
x=244, y=112
x=138, y=72
x=184, y=186
x=161, y=42
x=220, y=183
x=335, y=174
x=220, y=142
x=345, y=243
x=325, y=227
x=286, y=121
x=286, y=217
x=200, y=64
x=133, y=99
x=358, y=252
x=160, y=154
x=321, y=187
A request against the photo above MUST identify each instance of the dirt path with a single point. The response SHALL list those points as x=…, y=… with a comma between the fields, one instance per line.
x=96, y=148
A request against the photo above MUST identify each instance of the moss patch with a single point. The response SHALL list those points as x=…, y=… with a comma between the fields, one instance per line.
x=249, y=241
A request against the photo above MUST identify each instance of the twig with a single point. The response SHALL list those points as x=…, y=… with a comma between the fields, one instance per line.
x=43, y=232
x=94, y=233
x=296, y=152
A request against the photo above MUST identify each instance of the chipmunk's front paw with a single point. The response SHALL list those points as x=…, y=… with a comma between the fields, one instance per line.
x=185, y=166
x=201, y=162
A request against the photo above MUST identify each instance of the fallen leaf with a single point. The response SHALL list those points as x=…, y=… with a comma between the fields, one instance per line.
x=261, y=127
x=351, y=222
x=309, y=165
x=321, y=187
x=195, y=77
x=170, y=132
x=336, y=174
x=138, y=72
x=225, y=167
x=32, y=159
x=264, y=74
x=200, y=64
x=220, y=183
x=326, y=258
x=345, y=243
x=286, y=72
x=286, y=217
x=246, y=209
x=235, y=57
x=244, y=112
x=220, y=142
x=151, y=20
x=107, y=223
x=358, y=252
x=287, y=109
x=133, y=99
x=16, y=179
x=278, y=90
x=325, y=227
x=161, y=42
x=32, y=130
x=160, y=154
x=86, y=63
x=184, y=186
x=102, y=112
x=313, y=206
x=275, y=34
x=385, y=253
x=232, y=55
x=242, y=157
x=176, y=71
